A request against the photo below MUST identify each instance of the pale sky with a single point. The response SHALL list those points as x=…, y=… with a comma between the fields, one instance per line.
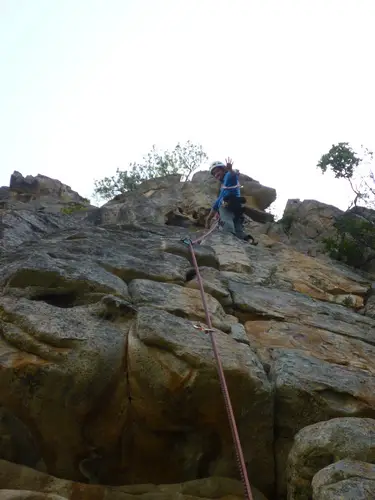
x=87, y=86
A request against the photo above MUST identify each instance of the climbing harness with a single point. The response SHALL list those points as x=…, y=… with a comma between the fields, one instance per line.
x=224, y=389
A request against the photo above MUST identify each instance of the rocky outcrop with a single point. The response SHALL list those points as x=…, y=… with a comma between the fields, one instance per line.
x=305, y=225
x=41, y=187
x=40, y=193
x=107, y=380
x=311, y=226
x=32, y=207
x=168, y=200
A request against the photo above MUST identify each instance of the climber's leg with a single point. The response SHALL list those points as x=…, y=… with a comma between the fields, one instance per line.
x=240, y=233
x=226, y=219
x=238, y=227
x=232, y=223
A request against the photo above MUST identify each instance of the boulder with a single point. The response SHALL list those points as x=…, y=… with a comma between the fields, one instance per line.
x=317, y=446
x=346, y=479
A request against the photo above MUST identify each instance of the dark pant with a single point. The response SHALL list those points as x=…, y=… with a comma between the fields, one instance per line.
x=232, y=223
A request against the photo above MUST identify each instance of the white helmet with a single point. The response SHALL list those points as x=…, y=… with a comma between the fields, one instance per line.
x=216, y=164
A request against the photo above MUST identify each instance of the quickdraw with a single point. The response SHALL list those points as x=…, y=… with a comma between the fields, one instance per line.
x=203, y=328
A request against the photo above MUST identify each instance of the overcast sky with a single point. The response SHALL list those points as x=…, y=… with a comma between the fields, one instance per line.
x=87, y=86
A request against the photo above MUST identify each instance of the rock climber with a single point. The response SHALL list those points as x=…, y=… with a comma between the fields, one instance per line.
x=229, y=202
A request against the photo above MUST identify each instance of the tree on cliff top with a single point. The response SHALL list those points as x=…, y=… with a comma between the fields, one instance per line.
x=183, y=159
x=354, y=241
x=344, y=162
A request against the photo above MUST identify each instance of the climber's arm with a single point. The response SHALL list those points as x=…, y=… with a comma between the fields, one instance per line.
x=214, y=209
x=209, y=217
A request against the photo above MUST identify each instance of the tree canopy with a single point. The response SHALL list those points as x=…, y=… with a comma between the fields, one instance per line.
x=184, y=159
x=344, y=162
x=354, y=241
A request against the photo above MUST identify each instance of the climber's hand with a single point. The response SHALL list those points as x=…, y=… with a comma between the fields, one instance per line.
x=229, y=163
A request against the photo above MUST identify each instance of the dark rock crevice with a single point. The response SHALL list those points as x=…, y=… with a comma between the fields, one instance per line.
x=190, y=275
x=64, y=299
x=17, y=443
x=102, y=461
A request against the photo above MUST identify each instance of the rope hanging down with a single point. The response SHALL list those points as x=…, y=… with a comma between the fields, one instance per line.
x=223, y=384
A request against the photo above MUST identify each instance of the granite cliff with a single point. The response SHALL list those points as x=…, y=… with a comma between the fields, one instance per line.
x=108, y=392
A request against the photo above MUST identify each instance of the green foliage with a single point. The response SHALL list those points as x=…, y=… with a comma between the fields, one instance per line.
x=75, y=207
x=183, y=159
x=343, y=161
x=354, y=242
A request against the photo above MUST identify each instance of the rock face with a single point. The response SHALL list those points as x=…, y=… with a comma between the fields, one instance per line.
x=32, y=207
x=168, y=200
x=106, y=381
x=31, y=188
x=37, y=486
x=305, y=224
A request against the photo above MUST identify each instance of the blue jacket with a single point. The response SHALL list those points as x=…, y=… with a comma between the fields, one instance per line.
x=230, y=179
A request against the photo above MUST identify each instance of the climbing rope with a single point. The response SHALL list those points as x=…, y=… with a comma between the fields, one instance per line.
x=223, y=384
x=212, y=229
x=204, y=236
